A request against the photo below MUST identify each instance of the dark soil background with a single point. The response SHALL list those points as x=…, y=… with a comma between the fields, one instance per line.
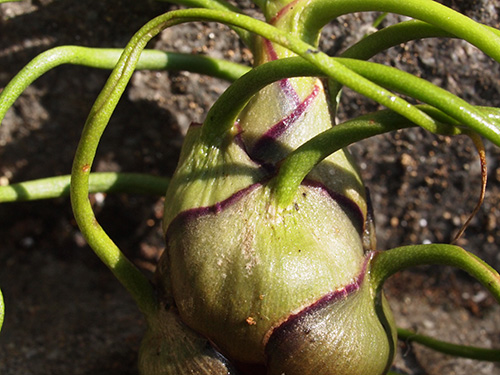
x=66, y=314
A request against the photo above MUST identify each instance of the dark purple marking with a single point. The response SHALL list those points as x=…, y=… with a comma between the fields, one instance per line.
x=218, y=207
x=279, y=332
x=343, y=201
x=285, y=85
x=196, y=212
x=278, y=129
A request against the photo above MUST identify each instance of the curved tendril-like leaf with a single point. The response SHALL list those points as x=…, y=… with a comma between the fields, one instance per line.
x=381, y=40
x=386, y=263
x=389, y=37
x=347, y=77
x=101, y=182
x=224, y=112
x=226, y=109
x=330, y=67
x=464, y=351
x=320, y=12
x=103, y=58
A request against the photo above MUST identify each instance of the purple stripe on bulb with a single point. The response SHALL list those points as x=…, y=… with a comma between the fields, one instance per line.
x=285, y=85
x=279, y=332
x=218, y=207
x=352, y=207
x=284, y=124
x=346, y=203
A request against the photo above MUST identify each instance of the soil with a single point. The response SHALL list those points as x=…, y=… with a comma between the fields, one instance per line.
x=66, y=314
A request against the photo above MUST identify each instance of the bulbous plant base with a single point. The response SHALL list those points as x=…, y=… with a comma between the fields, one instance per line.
x=342, y=334
x=349, y=331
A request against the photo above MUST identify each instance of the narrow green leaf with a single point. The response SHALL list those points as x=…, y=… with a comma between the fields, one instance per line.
x=104, y=182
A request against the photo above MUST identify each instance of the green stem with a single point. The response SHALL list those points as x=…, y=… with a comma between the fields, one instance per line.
x=103, y=182
x=104, y=58
x=392, y=36
x=465, y=351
